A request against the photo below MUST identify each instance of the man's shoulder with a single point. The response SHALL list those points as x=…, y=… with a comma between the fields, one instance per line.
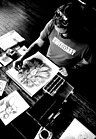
x=49, y=23
x=49, y=26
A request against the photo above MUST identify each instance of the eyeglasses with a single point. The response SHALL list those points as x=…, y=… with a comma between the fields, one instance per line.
x=61, y=17
x=59, y=13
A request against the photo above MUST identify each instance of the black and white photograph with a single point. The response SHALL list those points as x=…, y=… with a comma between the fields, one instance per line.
x=48, y=69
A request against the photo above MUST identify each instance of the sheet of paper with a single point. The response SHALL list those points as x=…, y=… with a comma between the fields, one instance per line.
x=10, y=39
x=2, y=86
x=38, y=135
x=32, y=90
x=5, y=60
x=22, y=50
x=0, y=65
x=76, y=130
x=11, y=107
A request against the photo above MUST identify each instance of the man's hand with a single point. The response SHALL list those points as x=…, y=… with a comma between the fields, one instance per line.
x=80, y=64
x=18, y=64
x=63, y=71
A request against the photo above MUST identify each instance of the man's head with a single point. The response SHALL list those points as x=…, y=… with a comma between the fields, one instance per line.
x=69, y=17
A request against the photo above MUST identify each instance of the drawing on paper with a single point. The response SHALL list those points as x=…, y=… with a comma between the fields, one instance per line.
x=12, y=106
x=37, y=70
x=83, y=135
x=77, y=130
x=34, y=72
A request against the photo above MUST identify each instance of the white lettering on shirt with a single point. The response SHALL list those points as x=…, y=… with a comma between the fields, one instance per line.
x=63, y=46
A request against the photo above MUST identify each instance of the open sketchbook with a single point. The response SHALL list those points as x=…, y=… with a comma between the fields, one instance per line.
x=36, y=73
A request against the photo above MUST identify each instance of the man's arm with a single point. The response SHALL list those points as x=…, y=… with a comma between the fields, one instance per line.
x=34, y=47
x=82, y=63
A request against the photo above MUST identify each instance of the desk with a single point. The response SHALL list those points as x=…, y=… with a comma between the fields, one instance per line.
x=43, y=111
x=75, y=107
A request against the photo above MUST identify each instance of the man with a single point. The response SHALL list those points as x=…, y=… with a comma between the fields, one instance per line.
x=67, y=37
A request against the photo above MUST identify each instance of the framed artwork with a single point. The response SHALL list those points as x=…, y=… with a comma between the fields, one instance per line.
x=11, y=107
x=36, y=72
x=76, y=130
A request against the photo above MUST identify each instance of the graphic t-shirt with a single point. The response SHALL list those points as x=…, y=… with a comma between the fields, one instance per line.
x=64, y=51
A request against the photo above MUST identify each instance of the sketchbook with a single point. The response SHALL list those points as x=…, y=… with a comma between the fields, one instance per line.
x=38, y=71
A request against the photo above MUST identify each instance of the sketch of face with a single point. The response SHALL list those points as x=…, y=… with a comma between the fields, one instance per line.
x=83, y=135
x=8, y=107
